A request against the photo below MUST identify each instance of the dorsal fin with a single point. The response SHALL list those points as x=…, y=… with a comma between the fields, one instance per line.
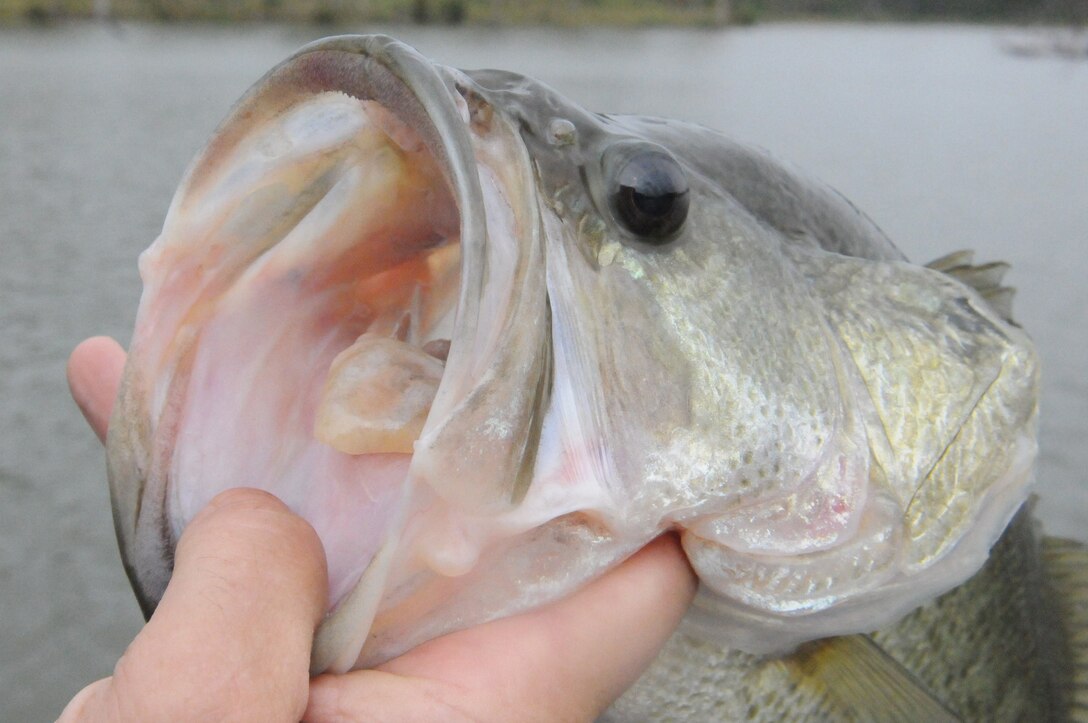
x=962, y=257
x=858, y=678
x=983, y=278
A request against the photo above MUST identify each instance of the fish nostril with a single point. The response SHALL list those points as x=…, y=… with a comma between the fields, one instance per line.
x=480, y=111
x=561, y=132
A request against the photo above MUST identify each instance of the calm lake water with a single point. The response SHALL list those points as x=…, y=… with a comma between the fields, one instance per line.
x=943, y=139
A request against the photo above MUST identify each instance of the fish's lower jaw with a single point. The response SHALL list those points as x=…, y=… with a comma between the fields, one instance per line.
x=341, y=636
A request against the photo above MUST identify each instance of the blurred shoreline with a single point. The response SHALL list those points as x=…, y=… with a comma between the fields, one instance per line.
x=567, y=13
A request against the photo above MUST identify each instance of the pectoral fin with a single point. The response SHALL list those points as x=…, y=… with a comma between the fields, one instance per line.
x=857, y=678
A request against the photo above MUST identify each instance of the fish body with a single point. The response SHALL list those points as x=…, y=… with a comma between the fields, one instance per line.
x=490, y=344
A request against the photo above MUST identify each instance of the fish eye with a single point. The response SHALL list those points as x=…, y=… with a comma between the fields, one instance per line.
x=650, y=195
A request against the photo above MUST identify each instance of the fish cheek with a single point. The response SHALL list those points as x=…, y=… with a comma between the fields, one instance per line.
x=765, y=401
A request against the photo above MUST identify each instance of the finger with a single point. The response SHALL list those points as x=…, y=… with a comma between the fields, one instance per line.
x=231, y=637
x=567, y=661
x=94, y=373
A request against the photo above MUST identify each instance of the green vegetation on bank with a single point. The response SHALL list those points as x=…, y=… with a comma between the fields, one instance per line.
x=447, y=12
x=560, y=12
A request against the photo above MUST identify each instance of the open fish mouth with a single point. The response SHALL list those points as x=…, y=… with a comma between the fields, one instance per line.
x=335, y=285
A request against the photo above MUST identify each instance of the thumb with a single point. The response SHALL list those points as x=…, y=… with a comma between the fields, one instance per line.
x=231, y=637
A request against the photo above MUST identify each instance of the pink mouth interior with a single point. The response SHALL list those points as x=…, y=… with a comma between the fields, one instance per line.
x=374, y=264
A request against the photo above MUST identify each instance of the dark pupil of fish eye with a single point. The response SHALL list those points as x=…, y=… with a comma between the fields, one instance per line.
x=651, y=196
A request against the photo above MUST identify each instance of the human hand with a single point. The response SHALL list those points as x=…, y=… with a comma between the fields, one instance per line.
x=231, y=638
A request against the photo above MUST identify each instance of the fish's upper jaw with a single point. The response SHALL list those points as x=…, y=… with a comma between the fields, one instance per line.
x=478, y=447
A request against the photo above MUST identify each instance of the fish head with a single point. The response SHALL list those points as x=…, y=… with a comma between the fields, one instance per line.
x=489, y=344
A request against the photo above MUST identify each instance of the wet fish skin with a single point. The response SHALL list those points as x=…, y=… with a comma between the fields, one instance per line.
x=998, y=648
x=837, y=434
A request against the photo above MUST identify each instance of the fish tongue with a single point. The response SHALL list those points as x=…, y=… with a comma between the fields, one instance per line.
x=377, y=396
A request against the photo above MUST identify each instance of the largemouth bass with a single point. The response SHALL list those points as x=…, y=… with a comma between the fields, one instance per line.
x=489, y=344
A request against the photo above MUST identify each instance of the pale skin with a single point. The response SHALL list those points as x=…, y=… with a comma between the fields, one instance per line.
x=231, y=637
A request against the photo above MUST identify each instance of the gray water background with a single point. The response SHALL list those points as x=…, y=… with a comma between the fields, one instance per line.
x=941, y=137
